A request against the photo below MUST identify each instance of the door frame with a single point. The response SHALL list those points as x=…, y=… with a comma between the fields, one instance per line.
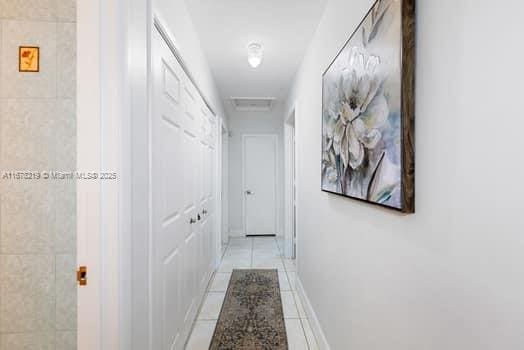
x=224, y=183
x=219, y=178
x=274, y=137
x=290, y=181
x=103, y=146
x=88, y=159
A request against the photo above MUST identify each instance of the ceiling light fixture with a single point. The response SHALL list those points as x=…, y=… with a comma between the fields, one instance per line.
x=254, y=54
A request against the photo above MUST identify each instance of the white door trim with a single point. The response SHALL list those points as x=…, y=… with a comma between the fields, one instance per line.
x=218, y=189
x=289, y=181
x=224, y=144
x=101, y=149
x=274, y=137
x=88, y=160
x=136, y=243
x=224, y=169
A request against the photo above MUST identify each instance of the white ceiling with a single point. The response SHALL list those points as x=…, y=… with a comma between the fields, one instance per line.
x=283, y=27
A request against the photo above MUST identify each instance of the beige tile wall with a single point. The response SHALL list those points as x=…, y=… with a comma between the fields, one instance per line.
x=38, y=218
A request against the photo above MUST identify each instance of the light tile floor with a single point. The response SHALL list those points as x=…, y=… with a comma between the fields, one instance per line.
x=256, y=252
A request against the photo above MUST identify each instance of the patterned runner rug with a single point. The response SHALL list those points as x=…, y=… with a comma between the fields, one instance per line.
x=251, y=317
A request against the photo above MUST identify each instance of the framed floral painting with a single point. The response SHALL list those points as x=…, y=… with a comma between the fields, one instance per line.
x=368, y=110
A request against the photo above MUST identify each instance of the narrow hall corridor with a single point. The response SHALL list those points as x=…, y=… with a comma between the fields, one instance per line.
x=160, y=160
x=254, y=253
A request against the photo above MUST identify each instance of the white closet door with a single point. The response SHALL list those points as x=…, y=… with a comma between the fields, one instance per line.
x=208, y=205
x=180, y=154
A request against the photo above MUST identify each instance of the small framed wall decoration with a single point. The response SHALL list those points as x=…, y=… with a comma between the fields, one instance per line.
x=368, y=115
x=29, y=59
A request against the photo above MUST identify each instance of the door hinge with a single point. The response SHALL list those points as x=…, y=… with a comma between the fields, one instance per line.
x=81, y=275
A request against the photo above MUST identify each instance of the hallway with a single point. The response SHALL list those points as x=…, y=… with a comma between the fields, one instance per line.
x=254, y=253
x=162, y=161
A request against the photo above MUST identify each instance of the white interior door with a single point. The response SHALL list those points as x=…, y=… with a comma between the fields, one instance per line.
x=260, y=182
x=182, y=197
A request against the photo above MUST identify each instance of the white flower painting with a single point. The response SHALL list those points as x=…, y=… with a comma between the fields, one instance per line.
x=362, y=111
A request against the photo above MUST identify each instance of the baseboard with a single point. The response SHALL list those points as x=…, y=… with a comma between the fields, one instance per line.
x=195, y=308
x=236, y=233
x=312, y=316
x=288, y=247
x=262, y=235
x=240, y=233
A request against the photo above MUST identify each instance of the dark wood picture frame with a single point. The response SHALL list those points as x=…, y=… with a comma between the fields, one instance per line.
x=408, y=33
x=20, y=50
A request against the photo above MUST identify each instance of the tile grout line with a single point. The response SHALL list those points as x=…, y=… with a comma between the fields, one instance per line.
x=37, y=20
x=294, y=299
x=207, y=291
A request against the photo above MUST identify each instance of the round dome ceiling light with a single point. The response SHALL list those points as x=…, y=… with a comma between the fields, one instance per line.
x=255, y=54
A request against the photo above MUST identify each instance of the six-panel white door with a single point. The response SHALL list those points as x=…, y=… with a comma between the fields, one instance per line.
x=182, y=197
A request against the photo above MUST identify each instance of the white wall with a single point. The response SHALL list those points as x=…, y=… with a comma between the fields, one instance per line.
x=452, y=275
x=175, y=16
x=241, y=123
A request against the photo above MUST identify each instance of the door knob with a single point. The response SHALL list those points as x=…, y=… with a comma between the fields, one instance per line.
x=248, y=192
x=198, y=217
